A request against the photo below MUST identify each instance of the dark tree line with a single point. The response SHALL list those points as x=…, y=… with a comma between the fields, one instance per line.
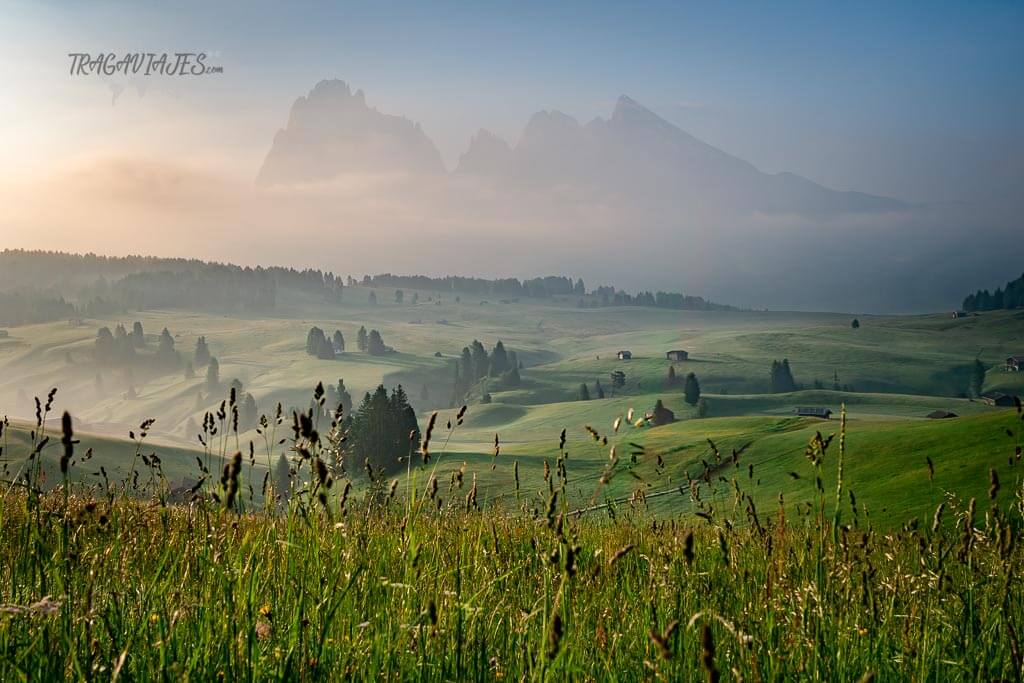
x=100, y=285
x=1008, y=297
x=28, y=306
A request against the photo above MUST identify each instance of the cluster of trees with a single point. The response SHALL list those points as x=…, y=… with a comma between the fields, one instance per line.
x=584, y=393
x=120, y=347
x=321, y=346
x=1011, y=296
x=372, y=342
x=317, y=343
x=475, y=364
x=781, y=377
x=383, y=429
x=609, y=296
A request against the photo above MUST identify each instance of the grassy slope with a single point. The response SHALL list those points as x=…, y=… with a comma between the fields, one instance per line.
x=912, y=364
x=115, y=455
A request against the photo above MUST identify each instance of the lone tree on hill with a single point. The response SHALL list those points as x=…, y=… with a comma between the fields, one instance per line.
x=339, y=340
x=618, y=379
x=361, y=339
x=584, y=393
x=691, y=389
x=855, y=324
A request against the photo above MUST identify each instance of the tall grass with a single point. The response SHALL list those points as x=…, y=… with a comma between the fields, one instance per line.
x=338, y=578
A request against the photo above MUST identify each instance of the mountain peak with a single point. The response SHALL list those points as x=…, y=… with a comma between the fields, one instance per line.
x=331, y=131
x=628, y=109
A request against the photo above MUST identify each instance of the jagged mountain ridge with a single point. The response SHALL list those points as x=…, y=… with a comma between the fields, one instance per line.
x=634, y=154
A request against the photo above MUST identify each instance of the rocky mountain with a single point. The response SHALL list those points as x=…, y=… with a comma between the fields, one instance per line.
x=635, y=157
x=639, y=155
x=332, y=131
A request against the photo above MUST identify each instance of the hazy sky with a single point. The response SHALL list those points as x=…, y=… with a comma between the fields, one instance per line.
x=917, y=100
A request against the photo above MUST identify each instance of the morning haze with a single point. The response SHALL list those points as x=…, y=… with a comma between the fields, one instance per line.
x=530, y=342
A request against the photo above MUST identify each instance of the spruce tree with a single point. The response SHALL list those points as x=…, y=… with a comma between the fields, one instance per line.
x=584, y=393
x=361, y=339
x=977, y=378
x=202, y=354
x=282, y=479
x=213, y=374
x=339, y=340
x=691, y=389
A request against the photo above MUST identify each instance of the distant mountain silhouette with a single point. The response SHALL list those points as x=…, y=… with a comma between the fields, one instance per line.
x=332, y=131
x=634, y=157
x=638, y=154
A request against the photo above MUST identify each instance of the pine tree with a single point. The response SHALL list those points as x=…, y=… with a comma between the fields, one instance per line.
x=691, y=389
x=375, y=344
x=105, y=349
x=213, y=374
x=481, y=362
x=855, y=324
x=344, y=398
x=165, y=351
x=339, y=340
x=977, y=377
x=325, y=350
x=671, y=381
x=399, y=297
x=202, y=354
x=361, y=339
x=249, y=413
x=383, y=429
x=782, y=377
x=282, y=479
x=138, y=336
x=584, y=393
x=598, y=389
x=499, y=360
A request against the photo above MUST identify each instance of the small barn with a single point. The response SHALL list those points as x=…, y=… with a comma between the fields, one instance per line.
x=940, y=415
x=624, y=355
x=677, y=355
x=998, y=399
x=661, y=415
x=1015, y=363
x=959, y=314
x=811, y=411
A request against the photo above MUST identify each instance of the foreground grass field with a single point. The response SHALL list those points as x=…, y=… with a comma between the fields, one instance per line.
x=336, y=585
